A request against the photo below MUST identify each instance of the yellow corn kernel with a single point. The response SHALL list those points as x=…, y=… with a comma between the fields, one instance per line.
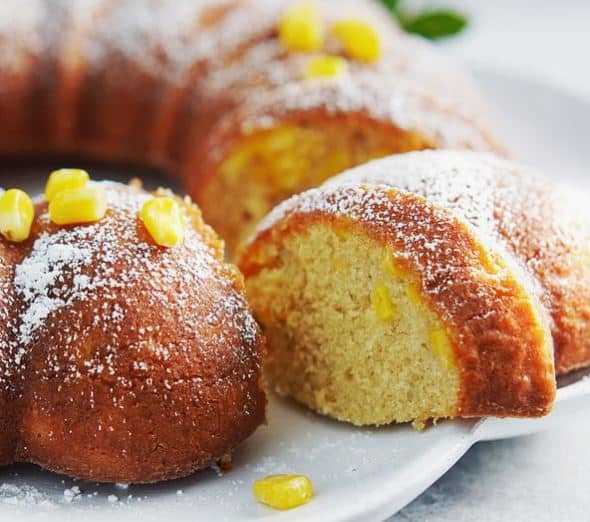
x=65, y=179
x=233, y=165
x=389, y=265
x=359, y=39
x=325, y=66
x=16, y=215
x=283, y=491
x=163, y=219
x=382, y=304
x=490, y=265
x=279, y=139
x=78, y=205
x=441, y=346
x=300, y=28
x=341, y=233
x=413, y=294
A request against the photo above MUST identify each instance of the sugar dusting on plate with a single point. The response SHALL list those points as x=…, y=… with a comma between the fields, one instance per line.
x=24, y=495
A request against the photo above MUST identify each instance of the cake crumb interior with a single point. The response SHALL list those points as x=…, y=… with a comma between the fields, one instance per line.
x=349, y=334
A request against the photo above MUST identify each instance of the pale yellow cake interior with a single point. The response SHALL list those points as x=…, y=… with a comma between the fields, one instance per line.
x=268, y=166
x=349, y=333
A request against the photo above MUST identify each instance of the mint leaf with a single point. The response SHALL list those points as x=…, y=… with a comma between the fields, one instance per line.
x=434, y=24
x=390, y=4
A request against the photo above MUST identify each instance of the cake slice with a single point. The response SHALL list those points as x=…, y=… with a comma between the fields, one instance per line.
x=390, y=294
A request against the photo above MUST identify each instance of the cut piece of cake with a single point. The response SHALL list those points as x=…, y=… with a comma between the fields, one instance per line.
x=391, y=295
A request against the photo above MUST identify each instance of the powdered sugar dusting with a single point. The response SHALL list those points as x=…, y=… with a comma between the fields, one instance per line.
x=37, y=275
x=79, y=281
x=357, y=202
x=134, y=30
x=72, y=494
x=473, y=186
x=459, y=181
x=20, y=33
x=411, y=86
x=225, y=55
x=506, y=203
x=24, y=495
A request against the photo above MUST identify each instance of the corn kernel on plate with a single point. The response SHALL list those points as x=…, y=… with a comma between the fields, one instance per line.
x=356, y=473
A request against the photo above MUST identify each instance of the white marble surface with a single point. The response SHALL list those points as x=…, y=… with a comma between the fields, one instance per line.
x=543, y=477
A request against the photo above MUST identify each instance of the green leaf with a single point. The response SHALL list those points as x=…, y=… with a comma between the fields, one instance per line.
x=435, y=24
x=390, y=4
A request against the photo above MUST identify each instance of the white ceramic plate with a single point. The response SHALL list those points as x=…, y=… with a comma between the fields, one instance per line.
x=359, y=474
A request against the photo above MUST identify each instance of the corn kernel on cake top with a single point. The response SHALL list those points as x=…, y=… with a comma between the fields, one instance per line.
x=407, y=86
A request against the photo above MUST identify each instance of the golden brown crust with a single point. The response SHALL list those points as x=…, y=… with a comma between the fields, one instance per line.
x=127, y=362
x=552, y=238
x=502, y=349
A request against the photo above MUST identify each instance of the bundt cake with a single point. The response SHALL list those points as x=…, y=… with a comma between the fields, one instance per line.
x=426, y=285
x=247, y=101
x=127, y=351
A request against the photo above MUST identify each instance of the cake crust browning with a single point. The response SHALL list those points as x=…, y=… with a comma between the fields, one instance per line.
x=125, y=361
x=10, y=254
x=502, y=350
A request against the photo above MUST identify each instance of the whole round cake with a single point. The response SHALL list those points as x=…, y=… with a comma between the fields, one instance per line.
x=247, y=101
x=425, y=285
x=127, y=350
